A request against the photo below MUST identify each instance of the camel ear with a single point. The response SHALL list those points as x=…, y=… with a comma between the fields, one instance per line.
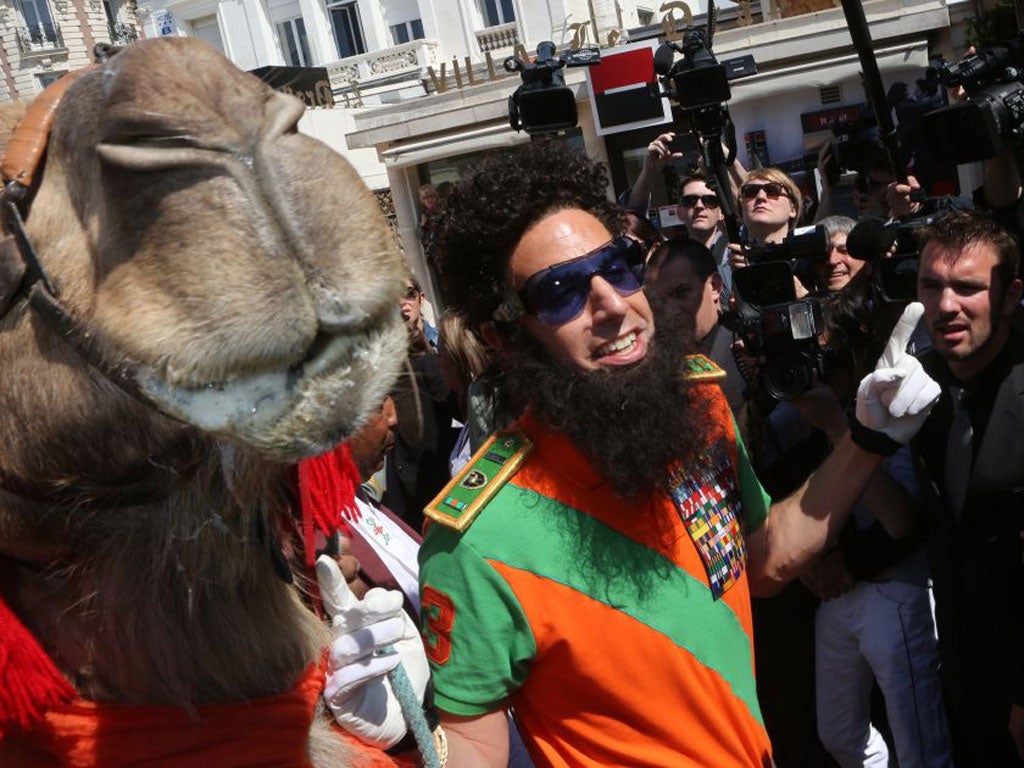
x=12, y=272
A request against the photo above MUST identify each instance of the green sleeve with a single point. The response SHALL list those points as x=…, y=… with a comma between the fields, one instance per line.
x=754, y=498
x=478, y=639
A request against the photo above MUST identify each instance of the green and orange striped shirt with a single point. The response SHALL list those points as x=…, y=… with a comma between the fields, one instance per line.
x=619, y=658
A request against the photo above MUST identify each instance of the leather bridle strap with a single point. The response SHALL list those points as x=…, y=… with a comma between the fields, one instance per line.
x=21, y=160
x=19, y=167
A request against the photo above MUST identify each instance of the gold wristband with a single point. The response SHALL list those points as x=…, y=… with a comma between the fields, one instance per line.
x=441, y=745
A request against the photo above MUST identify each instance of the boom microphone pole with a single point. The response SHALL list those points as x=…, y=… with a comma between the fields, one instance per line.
x=858, y=25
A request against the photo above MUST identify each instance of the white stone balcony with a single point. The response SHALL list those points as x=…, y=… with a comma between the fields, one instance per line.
x=409, y=59
x=498, y=38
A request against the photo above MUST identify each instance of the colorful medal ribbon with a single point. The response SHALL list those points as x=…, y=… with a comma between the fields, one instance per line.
x=708, y=499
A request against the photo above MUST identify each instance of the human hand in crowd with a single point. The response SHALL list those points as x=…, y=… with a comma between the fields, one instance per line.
x=1017, y=728
x=897, y=196
x=737, y=256
x=369, y=639
x=896, y=398
x=823, y=157
x=820, y=408
x=659, y=153
x=829, y=577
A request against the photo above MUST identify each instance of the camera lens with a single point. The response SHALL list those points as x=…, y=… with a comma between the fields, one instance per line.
x=786, y=376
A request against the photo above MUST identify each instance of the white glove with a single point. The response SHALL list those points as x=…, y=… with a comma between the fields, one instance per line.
x=370, y=638
x=898, y=396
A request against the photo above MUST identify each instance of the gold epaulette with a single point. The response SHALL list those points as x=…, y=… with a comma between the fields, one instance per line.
x=698, y=369
x=483, y=476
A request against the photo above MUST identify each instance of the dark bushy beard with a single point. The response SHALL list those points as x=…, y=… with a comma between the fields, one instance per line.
x=631, y=423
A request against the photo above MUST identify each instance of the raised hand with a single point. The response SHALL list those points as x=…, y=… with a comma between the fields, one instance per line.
x=897, y=397
x=370, y=638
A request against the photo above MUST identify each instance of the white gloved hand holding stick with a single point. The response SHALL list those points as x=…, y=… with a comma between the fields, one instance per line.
x=370, y=639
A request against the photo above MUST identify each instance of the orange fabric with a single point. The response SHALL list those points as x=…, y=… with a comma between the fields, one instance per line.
x=561, y=459
x=683, y=731
x=271, y=732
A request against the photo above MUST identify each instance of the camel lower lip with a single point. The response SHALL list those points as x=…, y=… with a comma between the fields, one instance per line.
x=255, y=400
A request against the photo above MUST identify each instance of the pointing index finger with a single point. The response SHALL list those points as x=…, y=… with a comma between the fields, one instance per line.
x=335, y=593
x=896, y=347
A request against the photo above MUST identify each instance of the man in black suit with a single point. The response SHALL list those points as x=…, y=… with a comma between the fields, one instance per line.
x=972, y=448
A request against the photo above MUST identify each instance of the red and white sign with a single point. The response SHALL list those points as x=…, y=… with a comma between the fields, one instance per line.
x=623, y=90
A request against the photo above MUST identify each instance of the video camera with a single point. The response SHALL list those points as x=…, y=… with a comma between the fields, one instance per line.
x=993, y=114
x=699, y=84
x=772, y=322
x=543, y=103
x=894, y=249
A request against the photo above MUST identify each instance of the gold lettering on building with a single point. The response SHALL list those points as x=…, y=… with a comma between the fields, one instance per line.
x=580, y=34
x=669, y=22
x=440, y=83
x=746, y=15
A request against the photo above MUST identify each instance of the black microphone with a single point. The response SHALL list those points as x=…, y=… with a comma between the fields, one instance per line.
x=663, y=59
x=870, y=239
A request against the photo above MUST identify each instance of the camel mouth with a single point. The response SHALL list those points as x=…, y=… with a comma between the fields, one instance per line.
x=252, y=407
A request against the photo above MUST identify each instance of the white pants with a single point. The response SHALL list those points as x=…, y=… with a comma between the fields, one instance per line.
x=883, y=632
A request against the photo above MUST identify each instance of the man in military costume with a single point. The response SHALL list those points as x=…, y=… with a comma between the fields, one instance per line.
x=592, y=567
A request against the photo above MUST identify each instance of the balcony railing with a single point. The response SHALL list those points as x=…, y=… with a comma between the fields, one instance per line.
x=122, y=34
x=501, y=36
x=40, y=37
x=410, y=59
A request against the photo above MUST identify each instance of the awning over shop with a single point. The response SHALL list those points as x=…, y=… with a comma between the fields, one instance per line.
x=475, y=139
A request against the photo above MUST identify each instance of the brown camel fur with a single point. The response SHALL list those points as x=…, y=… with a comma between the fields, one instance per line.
x=248, y=274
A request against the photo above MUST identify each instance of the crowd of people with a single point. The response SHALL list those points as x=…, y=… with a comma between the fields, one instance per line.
x=623, y=521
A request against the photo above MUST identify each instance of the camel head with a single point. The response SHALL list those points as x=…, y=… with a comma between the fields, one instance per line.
x=239, y=270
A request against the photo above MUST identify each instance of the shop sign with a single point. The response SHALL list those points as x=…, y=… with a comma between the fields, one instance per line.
x=309, y=84
x=624, y=92
x=824, y=119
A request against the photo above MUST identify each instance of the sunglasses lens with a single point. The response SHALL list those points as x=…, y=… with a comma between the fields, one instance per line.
x=559, y=294
x=772, y=190
x=689, y=201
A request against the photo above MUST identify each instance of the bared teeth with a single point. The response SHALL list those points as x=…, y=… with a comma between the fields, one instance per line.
x=618, y=345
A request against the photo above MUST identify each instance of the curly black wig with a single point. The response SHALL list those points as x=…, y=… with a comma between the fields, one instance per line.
x=493, y=205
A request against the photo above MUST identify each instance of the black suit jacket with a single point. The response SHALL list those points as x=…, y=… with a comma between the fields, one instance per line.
x=977, y=558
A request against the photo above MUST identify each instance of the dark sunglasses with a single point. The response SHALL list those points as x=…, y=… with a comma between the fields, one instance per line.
x=558, y=294
x=689, y=201
x=772, y=189
x=411, y=292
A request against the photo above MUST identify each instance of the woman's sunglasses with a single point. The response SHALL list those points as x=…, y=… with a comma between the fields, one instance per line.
x=558, y=294
x=689, y=201
x=772, y=189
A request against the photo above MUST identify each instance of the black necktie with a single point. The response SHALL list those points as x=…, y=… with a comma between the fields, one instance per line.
x=959, y=456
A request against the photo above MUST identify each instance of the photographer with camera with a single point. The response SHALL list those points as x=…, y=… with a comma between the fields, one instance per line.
x=841, y=271
x=770, y=204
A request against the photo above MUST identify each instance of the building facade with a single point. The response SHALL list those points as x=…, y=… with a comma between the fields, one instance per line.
x=420, y=90
x=40, y=40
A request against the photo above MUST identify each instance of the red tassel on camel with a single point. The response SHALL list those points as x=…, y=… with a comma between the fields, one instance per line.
x=30, y=683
